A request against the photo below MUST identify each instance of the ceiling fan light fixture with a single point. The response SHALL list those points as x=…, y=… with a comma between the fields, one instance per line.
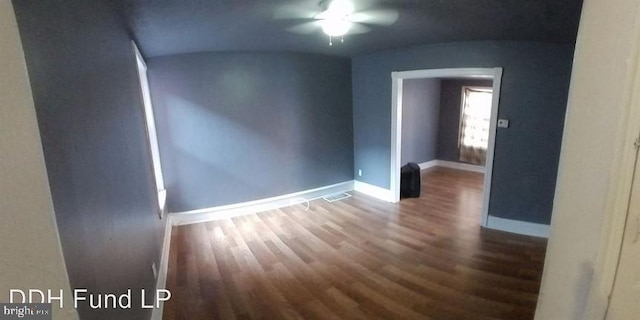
x=335, y=27
x=335, y=17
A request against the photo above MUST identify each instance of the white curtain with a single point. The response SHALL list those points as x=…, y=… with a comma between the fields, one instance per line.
x=474, y=124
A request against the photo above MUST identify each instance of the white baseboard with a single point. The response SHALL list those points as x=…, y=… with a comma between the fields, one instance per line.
x=373, y=191
x=162, y=201
x=520, y=227
x=428, y=164
x=452, y=165
x=161, y=282
x=238, y=209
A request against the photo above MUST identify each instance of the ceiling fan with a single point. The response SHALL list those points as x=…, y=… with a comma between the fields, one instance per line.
x=337, y=18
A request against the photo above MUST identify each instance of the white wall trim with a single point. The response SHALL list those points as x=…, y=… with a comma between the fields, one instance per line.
x=238, y=209
x=461, y=166
x=428, y=164
x=452, y=165
x=493, y=126
x=162, y=201
x=149, y=118
x=520, y=227
x=396, y=135
x=470, y=73
x=161, y=282
x=373, y=191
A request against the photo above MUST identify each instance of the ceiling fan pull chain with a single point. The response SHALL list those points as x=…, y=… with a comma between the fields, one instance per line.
x=330, y=42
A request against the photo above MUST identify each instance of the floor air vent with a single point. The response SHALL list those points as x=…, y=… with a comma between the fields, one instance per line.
x=336, y=197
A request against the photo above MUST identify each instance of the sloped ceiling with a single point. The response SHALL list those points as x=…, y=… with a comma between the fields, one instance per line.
x=165, y=27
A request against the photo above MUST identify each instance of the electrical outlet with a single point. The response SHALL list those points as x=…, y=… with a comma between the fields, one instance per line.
x=503, y=123
x=359, y=172
x=155, y=270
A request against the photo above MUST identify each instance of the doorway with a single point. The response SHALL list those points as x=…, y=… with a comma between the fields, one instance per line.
x=398, y=78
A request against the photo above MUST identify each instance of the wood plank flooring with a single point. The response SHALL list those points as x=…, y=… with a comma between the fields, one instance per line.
x=359, y=258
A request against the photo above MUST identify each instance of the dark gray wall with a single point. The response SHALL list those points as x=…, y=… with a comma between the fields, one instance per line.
x=533, y=97
x=236, y=127
x=420, y=115
x=449, y=123
x=88, y=103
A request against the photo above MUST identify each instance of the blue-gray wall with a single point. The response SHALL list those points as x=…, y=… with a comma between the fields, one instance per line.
x=88, y=104
x=420, y=116
x=449, y=123
x=533, y=97
x=235, y=127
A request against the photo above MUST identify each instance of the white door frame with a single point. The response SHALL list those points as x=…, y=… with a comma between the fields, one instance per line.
x=396, y=122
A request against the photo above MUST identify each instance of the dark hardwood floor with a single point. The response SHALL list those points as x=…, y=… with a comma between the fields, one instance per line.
x=358, y=258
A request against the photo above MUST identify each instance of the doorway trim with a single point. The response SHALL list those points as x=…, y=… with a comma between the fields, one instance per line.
x=398, y=78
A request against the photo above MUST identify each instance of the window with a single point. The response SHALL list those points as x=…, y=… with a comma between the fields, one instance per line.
x=475, y=119
x=151, y=128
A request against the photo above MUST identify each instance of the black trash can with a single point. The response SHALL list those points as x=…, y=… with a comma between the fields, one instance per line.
x=410, y=180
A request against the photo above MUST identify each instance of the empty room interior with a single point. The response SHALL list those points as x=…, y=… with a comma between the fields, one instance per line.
x=320, y=159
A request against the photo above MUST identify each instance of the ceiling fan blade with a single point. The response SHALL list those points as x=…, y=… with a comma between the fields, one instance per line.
x=324, y=15
x=306, y=28
x=379, y=17
x=361, y=5
x=295, y=12
x=357, y=28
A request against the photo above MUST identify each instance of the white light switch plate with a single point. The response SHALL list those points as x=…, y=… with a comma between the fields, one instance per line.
x=503, y=123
